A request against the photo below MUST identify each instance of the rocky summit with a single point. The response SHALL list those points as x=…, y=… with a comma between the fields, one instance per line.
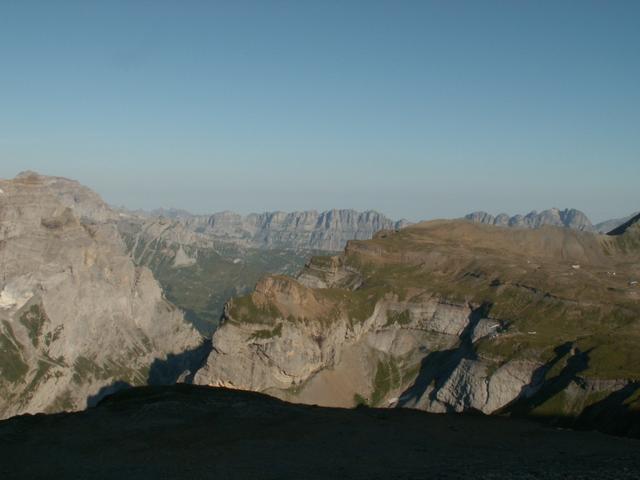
x=569, y=218
x=449, y=316
x=77, y=317
x=190, y=432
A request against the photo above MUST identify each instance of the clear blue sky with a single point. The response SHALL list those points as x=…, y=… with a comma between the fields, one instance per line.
x=417, y=109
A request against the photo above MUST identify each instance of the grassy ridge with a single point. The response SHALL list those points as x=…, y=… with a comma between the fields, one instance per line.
x=547, y=289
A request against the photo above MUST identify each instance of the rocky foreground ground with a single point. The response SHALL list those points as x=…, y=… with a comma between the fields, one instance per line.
x=195, y=432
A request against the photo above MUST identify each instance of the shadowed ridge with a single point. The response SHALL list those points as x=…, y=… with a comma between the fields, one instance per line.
x=185, y=431
x=625, y=226
x=135, y=397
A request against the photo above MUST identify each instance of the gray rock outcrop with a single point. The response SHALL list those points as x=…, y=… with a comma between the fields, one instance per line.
x=307, y=230
x=77, y=317
x=306, y=361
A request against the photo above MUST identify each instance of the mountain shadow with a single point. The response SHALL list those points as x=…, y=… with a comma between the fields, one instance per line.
x=180, y=367
x=438, y=365
x=623, y=228
x=115, y=387
x=543, y=389
x=613, y=414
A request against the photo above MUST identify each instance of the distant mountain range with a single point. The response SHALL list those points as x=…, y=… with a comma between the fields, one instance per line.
x=568, y=218
x=304, y=230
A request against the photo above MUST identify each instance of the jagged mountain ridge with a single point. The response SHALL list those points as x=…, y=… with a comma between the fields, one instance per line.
x=448, y=316
x=569, y=218
x=304, y=230
x=76, y=315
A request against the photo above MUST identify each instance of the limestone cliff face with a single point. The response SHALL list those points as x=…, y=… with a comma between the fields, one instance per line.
x=569, y=218
x=445, y=317
x=76, y=315
x=303, y=357
x=308, y=230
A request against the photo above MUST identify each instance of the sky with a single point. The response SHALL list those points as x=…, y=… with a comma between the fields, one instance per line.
x=415, y=109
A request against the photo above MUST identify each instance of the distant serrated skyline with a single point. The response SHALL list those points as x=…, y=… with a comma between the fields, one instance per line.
x=414, y=109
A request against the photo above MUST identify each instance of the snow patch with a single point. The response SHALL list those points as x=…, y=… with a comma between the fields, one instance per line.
x=10, y=298
x=182, y=259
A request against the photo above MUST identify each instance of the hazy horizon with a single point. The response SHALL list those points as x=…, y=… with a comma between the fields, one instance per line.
x=417, y=110
x=200, y=211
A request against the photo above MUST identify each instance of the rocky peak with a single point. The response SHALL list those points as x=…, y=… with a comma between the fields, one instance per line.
x=85, y=204
x=569, y=218
x=76, y=315
x=305, y=230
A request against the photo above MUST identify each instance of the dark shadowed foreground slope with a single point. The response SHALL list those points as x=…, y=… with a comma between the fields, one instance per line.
x=198, y=432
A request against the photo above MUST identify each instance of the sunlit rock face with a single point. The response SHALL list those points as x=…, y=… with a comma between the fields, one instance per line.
x=77, y=317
